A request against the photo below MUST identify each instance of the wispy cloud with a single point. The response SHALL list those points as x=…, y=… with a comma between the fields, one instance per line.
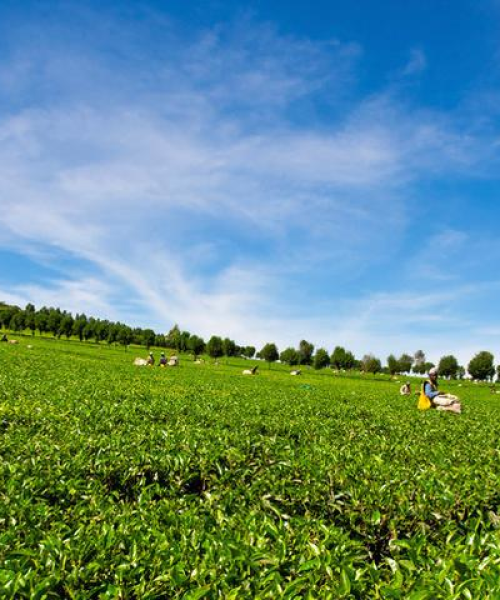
x=416, y=63
x=83, y=295
x=190, y=179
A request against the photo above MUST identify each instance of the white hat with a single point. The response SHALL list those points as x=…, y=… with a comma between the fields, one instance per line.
x=433, y=371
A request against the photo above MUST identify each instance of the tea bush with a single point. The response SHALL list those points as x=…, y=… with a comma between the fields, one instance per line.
x=195, y=482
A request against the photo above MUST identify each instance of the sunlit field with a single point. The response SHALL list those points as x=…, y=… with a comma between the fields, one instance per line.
x=194, y=482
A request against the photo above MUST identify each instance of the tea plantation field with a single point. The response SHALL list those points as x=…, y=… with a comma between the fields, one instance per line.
x=197, y=482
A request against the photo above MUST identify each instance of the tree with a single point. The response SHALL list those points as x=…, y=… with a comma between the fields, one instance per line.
x=249, y=351
x=321, y=359
x=6, y=314
x=350, y=361
x=214, y=347
x=498, y=372
x=172, y=338
x=405, y=362
x=290, y=356
x=79, y=325
x=160, y=340
x=29, y=318
x=41, y=320
x=17, y=321
x=136, y=336
x=338, y=358
x=113, y=331
x=371, y=364
x=88, y=330
x=124, y=336
x=97, y=331
x=392, y=364
x=196, y=345
x=269, y=353
x=448, y=366
x=148, y=338
x=101, y=331
x=66, y=325
x=481, y=366
x=53, y=321
x=228, y=347
x=419, y=368
x=183, y=341
x=342, y=359
x=306, y=350
x=104, y=330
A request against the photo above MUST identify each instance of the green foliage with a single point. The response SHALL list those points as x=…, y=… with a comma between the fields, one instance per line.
x=306, y=350
x=399, y=365
x=342, y=359
x=173, y=337
x=448, y=366
x=196, y=345
x=392, y=364
x=183, y=341
x=215, y=348
x=78, y=326
x=321, y=359
x=290, y=356
x=249, y=351
x=228, y=347
x=481, y=366
x=405, y=362
x=58, y=323
x=66, y=325
x=41, y=321
x=338, y=357
x=53, y=321
x=350, y=362
x=148, y=337
x=269, y=353
x=17, y=321
x=424, y=368
x=124, y=482
x=124, y=336
x=371, y=364
x=30, y=318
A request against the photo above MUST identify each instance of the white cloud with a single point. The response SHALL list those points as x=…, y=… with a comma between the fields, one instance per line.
x=89, y=295
x=156, y=173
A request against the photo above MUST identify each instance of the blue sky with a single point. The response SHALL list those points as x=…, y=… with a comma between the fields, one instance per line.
x=270, y=171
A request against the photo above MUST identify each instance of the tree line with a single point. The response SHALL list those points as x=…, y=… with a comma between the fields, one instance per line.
x=49, y=320
x=59, y=323
x=480, y=367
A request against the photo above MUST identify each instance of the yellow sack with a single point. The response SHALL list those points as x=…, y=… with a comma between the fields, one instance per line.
x=423, y=401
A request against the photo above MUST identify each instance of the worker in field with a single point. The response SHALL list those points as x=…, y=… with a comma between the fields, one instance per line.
x=151, y=360
x=405, y=389
x=163, y=360
x=431, y=397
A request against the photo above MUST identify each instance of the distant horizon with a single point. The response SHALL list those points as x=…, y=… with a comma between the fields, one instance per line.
x=262, y=171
